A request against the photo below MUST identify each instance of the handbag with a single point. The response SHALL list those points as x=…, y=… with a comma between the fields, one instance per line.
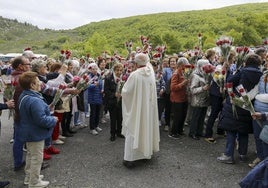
x=264, y=134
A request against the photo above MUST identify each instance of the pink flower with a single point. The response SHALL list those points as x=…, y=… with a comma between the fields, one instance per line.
x=124, y=77
x=76, y=79
x=62, y=86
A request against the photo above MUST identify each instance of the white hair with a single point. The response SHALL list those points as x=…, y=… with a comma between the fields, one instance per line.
x=182, y=61
x=141, y=59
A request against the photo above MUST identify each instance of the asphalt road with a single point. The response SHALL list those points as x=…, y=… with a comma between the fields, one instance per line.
x=88, y=161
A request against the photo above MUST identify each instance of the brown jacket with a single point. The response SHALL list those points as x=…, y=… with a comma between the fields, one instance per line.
x=178, y=91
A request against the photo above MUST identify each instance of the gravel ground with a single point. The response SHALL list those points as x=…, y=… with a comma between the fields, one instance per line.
x=88, y=161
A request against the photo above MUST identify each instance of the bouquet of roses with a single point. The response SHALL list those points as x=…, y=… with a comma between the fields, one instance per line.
x=229, y=88
x=9, y=85
x=225, y=45
x=82, y=83
x=120, y=83
x=208, y=69
x=64, y=55
x=241, y=56
x=187, y=71
x=243, y=101
x=161, y=50
x=58, y=94
x=219, y=77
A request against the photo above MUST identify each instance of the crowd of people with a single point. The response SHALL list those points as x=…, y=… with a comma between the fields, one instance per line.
x=140, y=94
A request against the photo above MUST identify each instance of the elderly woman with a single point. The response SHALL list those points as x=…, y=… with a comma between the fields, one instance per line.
x=200, y=99
x=36, y=126
x=178, y=98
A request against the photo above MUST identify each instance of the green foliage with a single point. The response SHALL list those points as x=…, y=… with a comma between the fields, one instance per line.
x=247, y=24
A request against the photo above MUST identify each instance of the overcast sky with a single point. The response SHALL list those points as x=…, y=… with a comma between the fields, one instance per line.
x=68, y=14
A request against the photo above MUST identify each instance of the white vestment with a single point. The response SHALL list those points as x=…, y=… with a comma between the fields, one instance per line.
x=140, y=115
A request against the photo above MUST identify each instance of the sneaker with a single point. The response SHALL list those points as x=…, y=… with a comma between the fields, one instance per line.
x=210, y=140
x=94, y=132
x=242, y=158
x=225, y=159
x=11, y=141
x=103, y=121
x=40, y=184
x=62, y=137
x=254, y=163
x=166, y=128
x=52, y=150
x=85, y=125
x=58, y=142
x=27, y=179
x=46, y=156
x=174, y=136
x=87, y=115
x=98, y=129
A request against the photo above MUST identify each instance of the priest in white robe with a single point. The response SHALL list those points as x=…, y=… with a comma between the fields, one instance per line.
x=140, y=114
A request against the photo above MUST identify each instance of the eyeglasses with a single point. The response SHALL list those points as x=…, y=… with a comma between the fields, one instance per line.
x=27, y=64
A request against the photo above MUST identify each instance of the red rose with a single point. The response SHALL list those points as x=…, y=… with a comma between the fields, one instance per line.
x=62, y=51
x=26, y=49
x=241, y=90
x=232, y=95
x=229, y=85
x=85, y=76
x=223, y=72
x=246, y=50
x=117, y=80
x=14, y=83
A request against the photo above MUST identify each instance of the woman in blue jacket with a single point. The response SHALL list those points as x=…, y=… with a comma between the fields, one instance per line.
x=36, y=125
x=95, y=92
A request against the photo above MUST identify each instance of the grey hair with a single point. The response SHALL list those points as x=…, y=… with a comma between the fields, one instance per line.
x=37, y=64
x=141, y=59
x=182, y=61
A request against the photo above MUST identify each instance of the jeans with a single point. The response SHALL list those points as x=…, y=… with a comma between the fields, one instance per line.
x=230, y=143
x=76, y=118
x=261, y=147
x=17, y=147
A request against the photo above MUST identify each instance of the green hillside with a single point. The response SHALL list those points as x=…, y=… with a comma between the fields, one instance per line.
x=247, y=24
